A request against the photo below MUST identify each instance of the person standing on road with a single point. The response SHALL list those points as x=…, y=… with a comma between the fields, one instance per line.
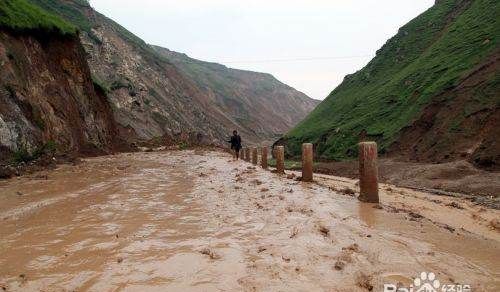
x=235, y=144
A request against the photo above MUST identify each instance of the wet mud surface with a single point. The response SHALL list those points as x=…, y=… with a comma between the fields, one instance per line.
x=460, y=178
x=197, y=221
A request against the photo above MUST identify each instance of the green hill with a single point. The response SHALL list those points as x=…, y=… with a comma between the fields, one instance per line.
x=21, y=15
x=441, y=69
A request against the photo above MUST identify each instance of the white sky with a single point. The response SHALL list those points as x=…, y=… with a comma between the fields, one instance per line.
x=340, y=36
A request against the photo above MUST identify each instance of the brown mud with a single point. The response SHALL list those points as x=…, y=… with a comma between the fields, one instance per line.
x=197, y=221
x=457, y=178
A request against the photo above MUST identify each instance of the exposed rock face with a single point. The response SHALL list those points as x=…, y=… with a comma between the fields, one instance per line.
x=102, y=88
x=149, y=96
x=47, y=96
x=154, y=95
x=259, y=105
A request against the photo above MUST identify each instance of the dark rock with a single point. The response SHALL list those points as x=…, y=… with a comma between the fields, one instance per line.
x=7, y=172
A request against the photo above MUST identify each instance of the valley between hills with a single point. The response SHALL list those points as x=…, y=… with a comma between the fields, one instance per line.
x=116, y=172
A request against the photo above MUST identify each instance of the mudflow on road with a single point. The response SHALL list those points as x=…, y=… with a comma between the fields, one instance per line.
x=197, y=221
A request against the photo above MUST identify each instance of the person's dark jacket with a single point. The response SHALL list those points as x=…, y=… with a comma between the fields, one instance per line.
x=235, y=142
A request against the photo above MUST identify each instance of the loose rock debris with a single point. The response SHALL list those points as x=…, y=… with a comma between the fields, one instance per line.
x=211, y=253
x=364, y=281
x=348, y=191
x=325, y=231
x=454, y=205
x=339, y=265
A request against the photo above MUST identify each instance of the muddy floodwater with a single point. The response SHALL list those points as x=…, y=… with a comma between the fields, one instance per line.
x=197, y=221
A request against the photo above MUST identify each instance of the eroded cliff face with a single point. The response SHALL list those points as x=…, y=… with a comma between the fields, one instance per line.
x=47, y=97
x=83, y=84
x=460, y=123
x=259, y=104
x=149, y=96
x=155, y=95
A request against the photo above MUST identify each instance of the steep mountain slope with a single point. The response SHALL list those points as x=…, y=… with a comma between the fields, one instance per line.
x=256, y=101
x=47, y=97
x=430, y=94
x=152, y=97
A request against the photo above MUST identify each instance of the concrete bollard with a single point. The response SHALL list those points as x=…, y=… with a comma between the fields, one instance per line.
x=307, y=162
x=254, y=156
x=263, y=157
x=368, y=172
x=280, y=159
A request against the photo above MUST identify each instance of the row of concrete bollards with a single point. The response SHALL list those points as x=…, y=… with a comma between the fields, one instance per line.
x=368, y=169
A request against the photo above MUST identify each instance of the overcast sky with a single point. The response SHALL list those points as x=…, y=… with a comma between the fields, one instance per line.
x=310, y=45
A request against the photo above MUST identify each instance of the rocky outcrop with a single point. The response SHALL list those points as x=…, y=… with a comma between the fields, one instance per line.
x=260, y=105
x=149, y=96
x=153, y=95
x=48, y=99
x=75, y=82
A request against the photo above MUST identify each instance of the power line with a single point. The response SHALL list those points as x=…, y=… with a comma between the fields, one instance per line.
x=294, y=59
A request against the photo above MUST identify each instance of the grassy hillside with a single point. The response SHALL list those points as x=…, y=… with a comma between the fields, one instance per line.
x=74, y=11
x=70, y=9
x=21, y=15
x=429, y=56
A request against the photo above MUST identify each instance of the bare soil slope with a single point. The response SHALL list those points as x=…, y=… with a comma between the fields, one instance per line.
x=261, y=105
x=152, y=95
x=48, y=98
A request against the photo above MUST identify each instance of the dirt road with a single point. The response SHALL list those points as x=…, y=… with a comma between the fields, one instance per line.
x=196, y=221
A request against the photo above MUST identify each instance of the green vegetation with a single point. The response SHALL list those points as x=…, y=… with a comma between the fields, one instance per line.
x=183, y=145
x=74, y=11
x=70, y=9
x=23, y=155
x=429, y=56
x=21, y=16
x=289, y=164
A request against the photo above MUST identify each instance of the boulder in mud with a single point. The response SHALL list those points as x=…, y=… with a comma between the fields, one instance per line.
x=210, y=253
x=339, y=265
x=7, y=171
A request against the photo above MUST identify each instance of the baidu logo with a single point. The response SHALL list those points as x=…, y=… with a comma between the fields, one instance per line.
x=427, y=282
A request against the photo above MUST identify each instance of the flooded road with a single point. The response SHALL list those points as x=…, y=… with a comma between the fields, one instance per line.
x=196, y=221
